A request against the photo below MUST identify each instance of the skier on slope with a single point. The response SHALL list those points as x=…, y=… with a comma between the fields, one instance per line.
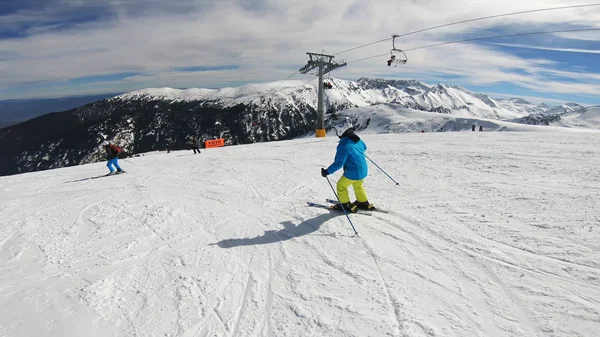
x=112, y=155
x=350, y=155
x=195, y=145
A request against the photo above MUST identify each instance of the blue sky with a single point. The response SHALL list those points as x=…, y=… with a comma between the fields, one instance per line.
x=56, y=48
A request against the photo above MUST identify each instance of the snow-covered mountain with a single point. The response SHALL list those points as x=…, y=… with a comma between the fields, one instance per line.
x=522, y=106
x=413, y=94
x=489, y=234
x=442, y=98
x=391, y=118
x=156, y=119
x=583, y=118
x=562, y=109
x=571, y=116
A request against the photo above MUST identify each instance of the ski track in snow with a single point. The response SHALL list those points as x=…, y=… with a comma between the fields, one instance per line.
x=397, y=314
x=488, y=234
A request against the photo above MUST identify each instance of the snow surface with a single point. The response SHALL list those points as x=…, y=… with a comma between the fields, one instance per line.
x=490, y=234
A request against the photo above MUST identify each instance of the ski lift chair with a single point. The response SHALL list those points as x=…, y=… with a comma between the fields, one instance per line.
x=397, y=56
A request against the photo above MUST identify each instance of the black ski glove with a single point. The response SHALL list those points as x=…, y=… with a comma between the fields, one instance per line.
x=324, y=172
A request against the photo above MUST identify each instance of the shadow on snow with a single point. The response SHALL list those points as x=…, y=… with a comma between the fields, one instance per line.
x=289, y=231
x=88, y=178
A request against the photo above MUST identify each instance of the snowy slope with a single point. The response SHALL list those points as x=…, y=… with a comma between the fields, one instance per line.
x=490, y=234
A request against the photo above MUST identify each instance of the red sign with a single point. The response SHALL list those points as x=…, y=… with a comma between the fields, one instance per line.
x=215, y=143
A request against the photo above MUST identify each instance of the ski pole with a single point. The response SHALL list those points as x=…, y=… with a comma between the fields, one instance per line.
x=397, y=183
x=341, y=205
x=125, y=160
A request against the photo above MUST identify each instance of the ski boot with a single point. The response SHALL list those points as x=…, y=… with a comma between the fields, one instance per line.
x=365, y=205
x=349, y=207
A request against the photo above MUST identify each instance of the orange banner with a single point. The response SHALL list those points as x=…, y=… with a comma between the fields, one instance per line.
x=215, y=143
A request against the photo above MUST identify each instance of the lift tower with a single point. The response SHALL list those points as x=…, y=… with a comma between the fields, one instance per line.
x=325, y=64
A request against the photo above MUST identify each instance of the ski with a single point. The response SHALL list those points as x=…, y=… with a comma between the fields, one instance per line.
x=330, y=207
x=109, y=175
x=335, y=202
x=312, y=204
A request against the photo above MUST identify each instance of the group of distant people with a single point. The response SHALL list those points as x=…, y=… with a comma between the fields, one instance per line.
x=194, y=146
x=472, y=128
x=113, y=152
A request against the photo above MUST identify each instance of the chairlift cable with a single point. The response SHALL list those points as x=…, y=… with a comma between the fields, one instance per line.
x=497, y=16
x=481, y=38
x=362, y=46
x=303, y=84
x=451, y=24
x=293, y=88
x=507, y=35
x=292, y=75
x=296, y=87
x=471, y=20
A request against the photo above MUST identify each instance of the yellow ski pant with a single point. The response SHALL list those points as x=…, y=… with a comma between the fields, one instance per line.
x=359, y=189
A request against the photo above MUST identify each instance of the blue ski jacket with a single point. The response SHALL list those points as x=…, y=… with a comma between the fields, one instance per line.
x=350, y=155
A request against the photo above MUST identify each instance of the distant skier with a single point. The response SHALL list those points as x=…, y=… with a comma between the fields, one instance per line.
x=480, y=128
x=112, y=155
x=473, y=127
x=195, y=145
x=350, y=155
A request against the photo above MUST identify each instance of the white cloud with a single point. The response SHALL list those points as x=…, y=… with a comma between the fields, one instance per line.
x=265, y=37
x=570, y=50
x=584, y=36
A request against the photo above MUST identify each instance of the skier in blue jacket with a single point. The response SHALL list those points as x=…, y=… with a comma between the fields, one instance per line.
x=112, y=157
x=350, y=155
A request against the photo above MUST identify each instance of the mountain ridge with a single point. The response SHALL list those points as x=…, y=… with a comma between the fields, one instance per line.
x=159, y=118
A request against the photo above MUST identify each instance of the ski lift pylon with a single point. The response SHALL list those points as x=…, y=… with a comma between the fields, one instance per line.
x=397, y=56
